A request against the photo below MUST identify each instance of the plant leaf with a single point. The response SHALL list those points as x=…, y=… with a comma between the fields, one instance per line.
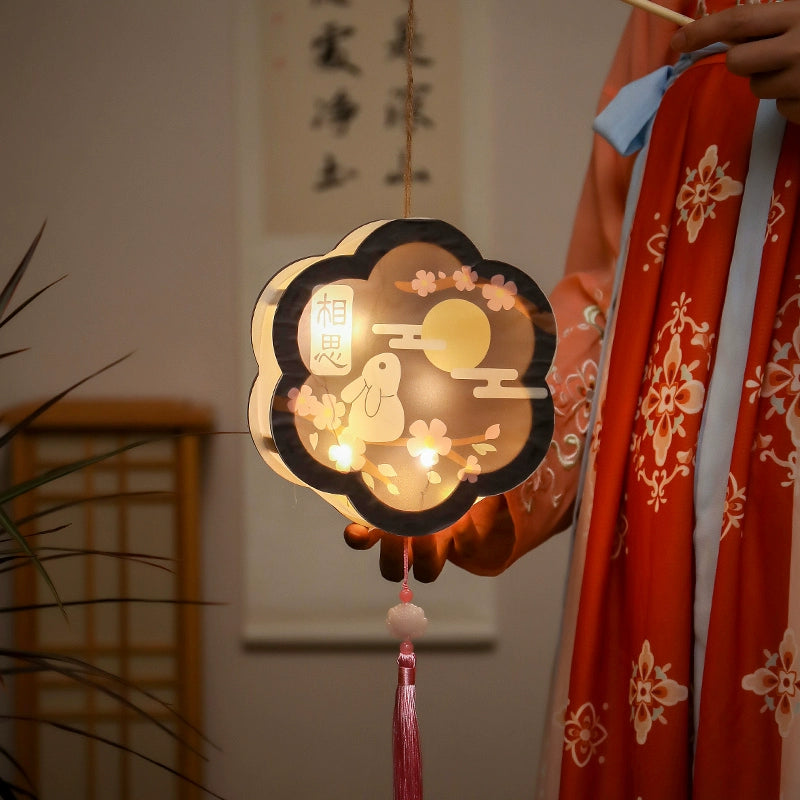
x=17, y=766
x=27, y=302
x=38, y=533
x=13, y=281
x=10, y=791
x=23, y=423
x=72, y=552
x=111, y=743
x=7, y=523
x=95, y=498
x=387, y=470
x=43, y=662
x=13, y=352
x=483, y=449
x=82, y=676
x=17, y=490
x=46, y=477
x=102, y=600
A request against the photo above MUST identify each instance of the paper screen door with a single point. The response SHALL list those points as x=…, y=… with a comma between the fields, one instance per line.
x=148, y=503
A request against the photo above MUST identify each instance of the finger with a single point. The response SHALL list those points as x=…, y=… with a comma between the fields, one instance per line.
x=429, y=554
x=776, y=85
x=391, y=558
x=483, y=540
x=789, y=107
x=360, y=537
x=739, y=23
x=764, y=55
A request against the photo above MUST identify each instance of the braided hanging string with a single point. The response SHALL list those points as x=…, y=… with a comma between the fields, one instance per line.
x=409, y=108
x=405, y=731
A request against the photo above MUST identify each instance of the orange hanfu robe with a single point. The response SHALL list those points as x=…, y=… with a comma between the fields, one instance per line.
x=677, y=674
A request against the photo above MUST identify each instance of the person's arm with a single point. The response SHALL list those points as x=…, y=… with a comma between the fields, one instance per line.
x=497, y=531
x=764, y=44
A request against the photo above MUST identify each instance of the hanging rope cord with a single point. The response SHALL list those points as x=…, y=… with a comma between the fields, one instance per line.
x=409, y=108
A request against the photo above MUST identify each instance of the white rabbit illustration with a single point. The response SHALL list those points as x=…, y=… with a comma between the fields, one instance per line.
x=376, y=413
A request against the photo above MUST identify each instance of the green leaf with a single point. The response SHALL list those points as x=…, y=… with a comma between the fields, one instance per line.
x=40, y=480
x=29, y=301
x=8, y=523
x=95, y=498
x=23, y=423
x=10, y=791
x=18, y=551
x=13, y=281
x=13, y=761
x=13, y=352
x=102, y=600
x=83, y=673
x=59, y=553
x=111, y=743
x=43, y=662
x=19, y=489
x=29, y=536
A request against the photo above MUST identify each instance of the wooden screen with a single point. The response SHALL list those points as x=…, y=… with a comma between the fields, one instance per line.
x=142, y=501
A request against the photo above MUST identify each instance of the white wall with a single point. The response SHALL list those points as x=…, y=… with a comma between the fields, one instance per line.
x=117, y=125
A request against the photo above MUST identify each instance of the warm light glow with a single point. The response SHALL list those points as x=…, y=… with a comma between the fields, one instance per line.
x=428, y=457
x=342, y=454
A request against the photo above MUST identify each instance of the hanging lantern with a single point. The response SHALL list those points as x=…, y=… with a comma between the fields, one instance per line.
x=402, y=376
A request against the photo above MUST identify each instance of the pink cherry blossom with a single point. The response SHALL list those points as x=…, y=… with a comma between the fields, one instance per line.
x=465, y=279
x=329, y=413
x=302, y=401
x=428, y=439
x=424, y=284
x=500, y=293
x=470, y=471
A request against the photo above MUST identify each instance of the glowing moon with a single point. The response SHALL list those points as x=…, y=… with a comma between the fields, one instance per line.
x=464, y=328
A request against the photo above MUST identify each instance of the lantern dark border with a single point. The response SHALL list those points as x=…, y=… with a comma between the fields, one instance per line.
x=359, y=266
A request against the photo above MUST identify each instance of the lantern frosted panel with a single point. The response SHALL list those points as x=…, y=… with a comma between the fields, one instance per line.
x=402, y=375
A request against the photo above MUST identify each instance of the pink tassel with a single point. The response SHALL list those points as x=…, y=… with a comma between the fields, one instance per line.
x=406, y=621
x=405, y=731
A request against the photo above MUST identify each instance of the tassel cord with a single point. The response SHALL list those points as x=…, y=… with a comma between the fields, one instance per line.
x=405, y=732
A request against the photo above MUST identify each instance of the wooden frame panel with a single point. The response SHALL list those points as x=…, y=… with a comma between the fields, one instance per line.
x=165, y=476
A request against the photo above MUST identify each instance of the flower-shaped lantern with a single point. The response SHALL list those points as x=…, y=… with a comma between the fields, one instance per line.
x=402, y=376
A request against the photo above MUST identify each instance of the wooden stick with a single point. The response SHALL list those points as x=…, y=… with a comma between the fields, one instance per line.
x=660, y=11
